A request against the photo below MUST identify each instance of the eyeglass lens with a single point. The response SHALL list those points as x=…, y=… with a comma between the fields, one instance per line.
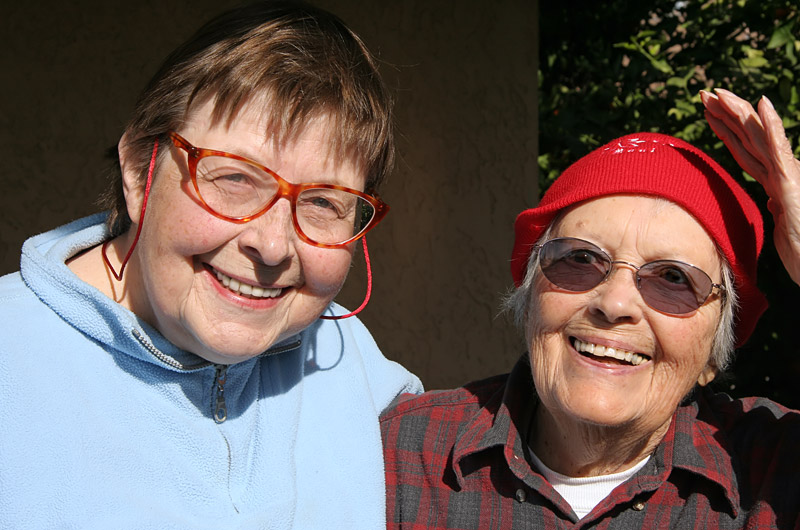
x=235, y=188
x=665, y=285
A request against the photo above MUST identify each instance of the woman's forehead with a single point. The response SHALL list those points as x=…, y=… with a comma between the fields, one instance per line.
x=265, y=125
x=653, y=227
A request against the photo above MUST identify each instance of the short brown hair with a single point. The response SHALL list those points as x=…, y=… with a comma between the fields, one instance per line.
x=303, y=61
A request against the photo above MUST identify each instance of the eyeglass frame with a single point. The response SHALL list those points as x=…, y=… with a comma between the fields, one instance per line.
x=285, y=190
x=638, y=280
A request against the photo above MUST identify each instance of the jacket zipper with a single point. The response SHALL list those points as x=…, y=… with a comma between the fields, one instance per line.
x=155, y=352
x=220, y=408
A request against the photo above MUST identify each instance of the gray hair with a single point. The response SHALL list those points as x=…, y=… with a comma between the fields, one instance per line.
x=518, y=304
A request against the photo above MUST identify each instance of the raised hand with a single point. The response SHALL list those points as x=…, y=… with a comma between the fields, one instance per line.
x=758, y=142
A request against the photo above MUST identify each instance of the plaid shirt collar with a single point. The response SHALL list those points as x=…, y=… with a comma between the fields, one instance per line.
x=692, y=443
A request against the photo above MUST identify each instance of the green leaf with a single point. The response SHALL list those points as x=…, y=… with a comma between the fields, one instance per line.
x=676, y=81
x=544, y=161
x=626, y=46
x=661, y=65
x=782, y=35
x=790, y=52
x=753, y=62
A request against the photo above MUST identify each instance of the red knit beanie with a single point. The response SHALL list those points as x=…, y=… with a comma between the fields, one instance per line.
x=658, y=165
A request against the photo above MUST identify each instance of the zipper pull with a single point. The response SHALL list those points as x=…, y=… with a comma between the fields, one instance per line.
x=220, y=409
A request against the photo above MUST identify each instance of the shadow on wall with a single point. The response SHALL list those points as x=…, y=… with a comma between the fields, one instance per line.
x=464, y=76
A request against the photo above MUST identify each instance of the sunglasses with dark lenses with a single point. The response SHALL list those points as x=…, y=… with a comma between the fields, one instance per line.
x=666, y=285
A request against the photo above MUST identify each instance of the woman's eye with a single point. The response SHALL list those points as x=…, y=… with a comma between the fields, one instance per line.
x=219, y=176
x=674, y=275
x=581, y=256
x=319, y=207
x=321, y=202
x=234, y=178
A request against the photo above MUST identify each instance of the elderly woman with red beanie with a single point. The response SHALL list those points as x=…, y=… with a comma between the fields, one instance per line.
x=635, y=280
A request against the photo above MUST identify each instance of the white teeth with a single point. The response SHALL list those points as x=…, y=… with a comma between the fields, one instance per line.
x=603, y=351
x=246, y=289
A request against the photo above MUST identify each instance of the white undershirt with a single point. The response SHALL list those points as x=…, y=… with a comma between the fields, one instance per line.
x=584, y=493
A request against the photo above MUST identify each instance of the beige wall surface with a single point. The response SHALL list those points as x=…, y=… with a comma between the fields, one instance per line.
x=464, y=78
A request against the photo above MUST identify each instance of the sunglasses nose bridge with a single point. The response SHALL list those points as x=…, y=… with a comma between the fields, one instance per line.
x=634, y=269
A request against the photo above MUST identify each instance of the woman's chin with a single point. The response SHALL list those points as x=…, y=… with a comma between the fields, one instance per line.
x=594, y=409
x=230, y=357
x=231, y=346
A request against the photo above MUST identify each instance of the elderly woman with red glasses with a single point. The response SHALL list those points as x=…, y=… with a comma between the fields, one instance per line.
x=636, y=278
x=179, y=362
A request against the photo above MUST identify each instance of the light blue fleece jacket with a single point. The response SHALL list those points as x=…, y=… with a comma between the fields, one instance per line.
x=106, y=424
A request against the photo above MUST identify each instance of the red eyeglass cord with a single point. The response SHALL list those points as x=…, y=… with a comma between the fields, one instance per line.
x=369, y=287
x=141, y=223
x=141, y=220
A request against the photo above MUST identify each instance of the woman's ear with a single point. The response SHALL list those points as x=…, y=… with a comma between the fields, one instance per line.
x=132, y=182
x=707, y=375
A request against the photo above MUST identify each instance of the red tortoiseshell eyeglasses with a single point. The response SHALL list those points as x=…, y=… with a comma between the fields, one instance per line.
x=239, y=190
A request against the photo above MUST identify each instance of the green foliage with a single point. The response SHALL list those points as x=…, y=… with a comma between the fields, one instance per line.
x=612, y=67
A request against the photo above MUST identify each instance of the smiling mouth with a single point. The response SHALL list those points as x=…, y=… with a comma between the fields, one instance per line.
x=607, y=354
x=245, y=289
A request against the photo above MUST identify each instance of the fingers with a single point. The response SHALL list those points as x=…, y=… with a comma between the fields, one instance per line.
x=758, y=141
x=732, y=109
x=736, y=106
x=744, y=117
x=783, y=161
x=736, y=123
x=740, y=152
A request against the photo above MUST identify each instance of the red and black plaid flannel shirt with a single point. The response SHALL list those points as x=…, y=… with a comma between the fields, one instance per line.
x=455, y=459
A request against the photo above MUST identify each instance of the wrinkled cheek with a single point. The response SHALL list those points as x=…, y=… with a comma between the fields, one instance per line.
x=540, y=335
x=687, y=358
x=675, y=380
x=536, y=325
x=547, y=374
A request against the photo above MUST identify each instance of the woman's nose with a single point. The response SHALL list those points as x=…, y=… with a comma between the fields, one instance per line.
x=270, y=238
x=617, y=299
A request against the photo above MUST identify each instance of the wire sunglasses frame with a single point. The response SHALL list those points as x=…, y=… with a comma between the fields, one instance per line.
x=285, y=190
x=660, y=296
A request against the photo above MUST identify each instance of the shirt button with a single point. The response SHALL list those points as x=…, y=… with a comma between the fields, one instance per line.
x=639, y=506
x=521, y=495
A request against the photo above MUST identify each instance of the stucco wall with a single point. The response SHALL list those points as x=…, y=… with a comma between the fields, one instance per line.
x=464, y=75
